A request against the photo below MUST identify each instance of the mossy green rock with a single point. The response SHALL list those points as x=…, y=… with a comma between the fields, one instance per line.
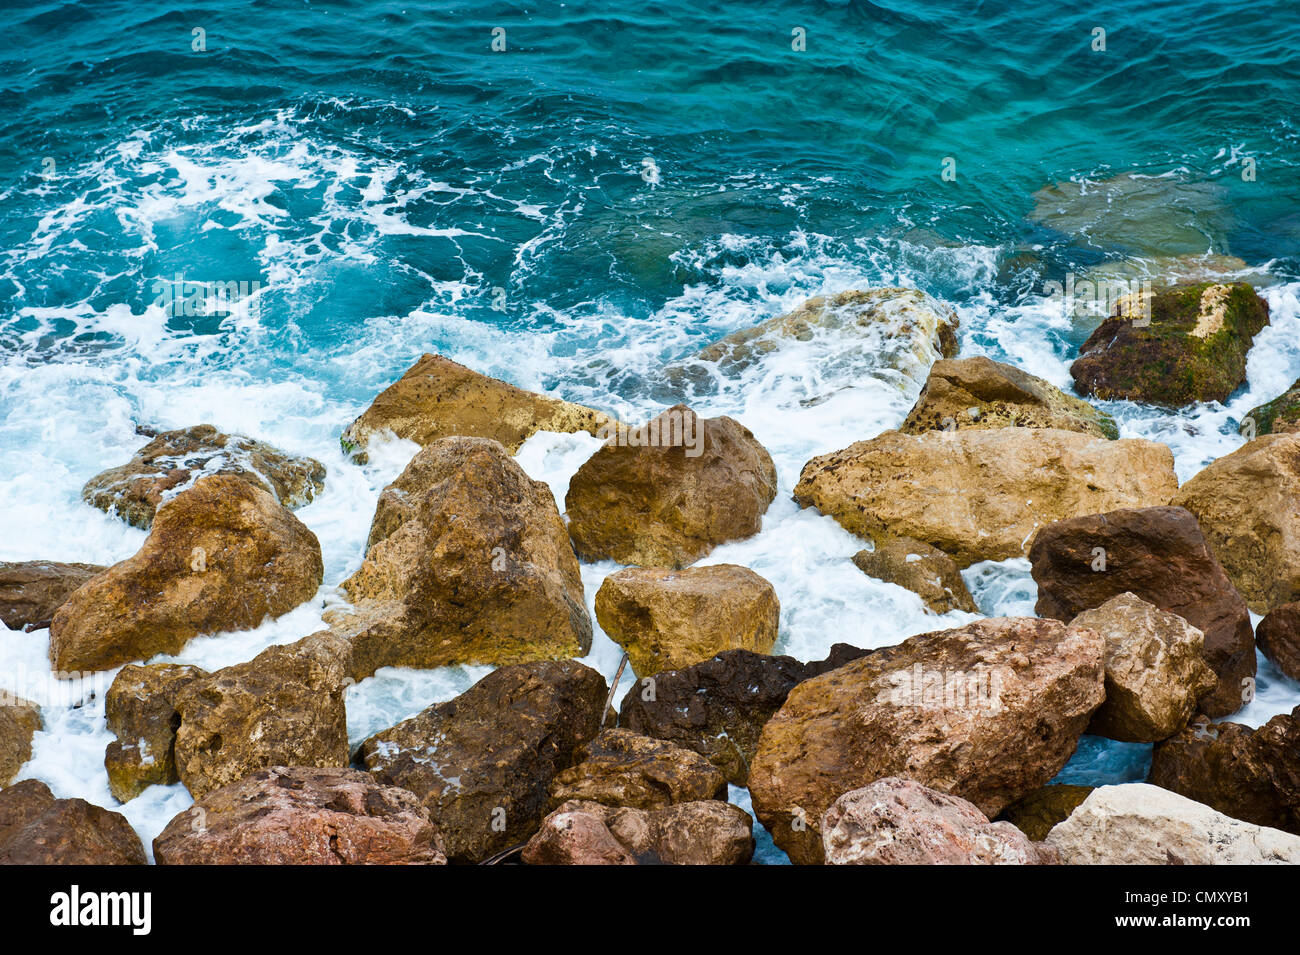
x=1191, y=347
x=1037, y=813
x=1279, y=416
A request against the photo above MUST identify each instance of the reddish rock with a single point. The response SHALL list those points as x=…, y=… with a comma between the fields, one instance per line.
x=900, y=822
x=37, y=829
x=690, y=833
x=622, y=768
x=1160, y=555
x=302, y=816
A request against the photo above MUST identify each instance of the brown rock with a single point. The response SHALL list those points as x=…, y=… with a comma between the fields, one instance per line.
x=438, y=398
x=1248, y=505
x=667, y=493
x=988, y=712
x=1037, y=813
x=37, y=829
x=1154, y=670
x=981, y=393
x=981, y=495
x=302, y=816
x=690, y=833
x=718, y=708
x=622, y=768
x=1278, y=638
x=19, y=721
x=897, y=821
x=483, y=763
x=669, y=619
x=468, y=563
x=1279, y=416
x=1160, y=555
x=926, y=571
x=31, y=590
x=174, y=460
x=1249, y=774
x=141, y=711
x=282, y=708
x=222, y=555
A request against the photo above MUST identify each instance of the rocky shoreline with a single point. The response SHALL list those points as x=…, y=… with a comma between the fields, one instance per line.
x=948, y=739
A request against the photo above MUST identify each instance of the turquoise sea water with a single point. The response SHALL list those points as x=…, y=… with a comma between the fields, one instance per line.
x=620, y=185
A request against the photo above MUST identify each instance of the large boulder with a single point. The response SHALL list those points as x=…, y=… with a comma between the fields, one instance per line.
x=897, y=821
x=37, y=829
x=981, y=495
x=300, y=816
x=926, y=571
x=437, y=398
x=1278, y=638
x=1249, y=774
x=690, y=833
x=483, y=763
x=669, y=619
x=1138, y=824
x=19, y=721
x=978, y=392
x=468, y=563
x=282, y=708
x=622, y=768
x=667, y=493
x=140, y=708
x=718, y=708
x=1279, y=416
x=1248, y=505
x=1037, y=813
x=1191, y=347
x=174, y=460
x=223, y=555
x=988, y=712
x=902, y=330
x=1154, y=670
x=1159, y=555
x=31, y=590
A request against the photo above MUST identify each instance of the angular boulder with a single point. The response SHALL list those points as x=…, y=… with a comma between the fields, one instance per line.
x=989, y=712
x=1037, y=813
x=282, y=708
x=468, y=563
x=926, y=571
x=1159, y=555
x=1191, y=347
x=690, y=833
x=437, y=398
x=982, y=495
x=667, y=493
x=482, y=763
x=981, y=393
x=1248, y=505
x=622, y=768
x=1138, y=824
x=19, y=721
x=174, y=460
x=31, y=590
x=1278, y=638
x=897, y=821
x=222, y=555
x=1249, y=774
x=140, y=708
x=669, y=619
x=301, y=816
x=1154, y=670
x=37, y=829
x=1279, y=416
